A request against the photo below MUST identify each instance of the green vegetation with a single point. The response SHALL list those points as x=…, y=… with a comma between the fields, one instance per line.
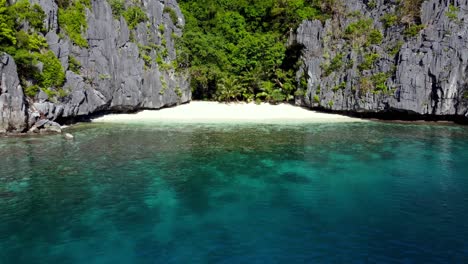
x=32, y=42
x=134, y=15
x=38, y=67
x=410, y=11
x=465, y=95
x=118, y=7
x=340, y=86
x=12, y=16
x=73, y=64
x=375, y=37
x=144, y=52
x=104, y=76
x=7, y=25
x=389, y=20
x=61, y=92
x=299, y=92
x=372, y=4
x=161, y=29
x=394, y=50
x=376, y=83
x=369, y=61
x=178, y=92
x=32, y=90
x=408, y=14
x=379, y=82
x=72, y=19
x=172, y=14
x=236, y=50
x=163, y=85
x=413, y=30
x=335, y=65
x=452, y=12
x=164, y=66
x=228, y=89
x=365, y=85
x=362, y=33
x=34, y=14
x=358, y=28
x=52, y=73
x=316, y=99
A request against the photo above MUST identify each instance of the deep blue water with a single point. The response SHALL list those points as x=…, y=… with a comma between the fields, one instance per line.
x=310, y=193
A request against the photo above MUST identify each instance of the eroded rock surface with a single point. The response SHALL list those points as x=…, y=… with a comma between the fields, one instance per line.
x=13, y=108
x=424, y=75
x=113, y=75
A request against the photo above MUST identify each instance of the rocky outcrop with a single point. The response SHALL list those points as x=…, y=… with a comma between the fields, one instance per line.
x=422, y=75
x=46, y=126
x=13, y=109
x=121, y=70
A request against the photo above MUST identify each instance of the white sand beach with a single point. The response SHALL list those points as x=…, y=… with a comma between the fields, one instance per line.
x=213, y=112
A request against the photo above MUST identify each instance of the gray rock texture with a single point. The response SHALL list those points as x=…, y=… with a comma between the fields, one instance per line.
x=424, y=75
x=121, y=70
x=13, y=109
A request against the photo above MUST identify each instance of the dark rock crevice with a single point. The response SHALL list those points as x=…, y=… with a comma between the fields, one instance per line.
x=392, y=114
x=435, y=90
x=113, y=73
x=418, y=76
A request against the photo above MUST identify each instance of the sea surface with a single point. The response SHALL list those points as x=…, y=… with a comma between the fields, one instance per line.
x=242, y=193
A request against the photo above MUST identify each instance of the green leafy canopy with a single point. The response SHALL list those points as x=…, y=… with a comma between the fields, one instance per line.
x=236, y=49
x=38, y=67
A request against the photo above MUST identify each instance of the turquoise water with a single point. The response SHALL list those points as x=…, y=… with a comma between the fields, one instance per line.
x=311, y=193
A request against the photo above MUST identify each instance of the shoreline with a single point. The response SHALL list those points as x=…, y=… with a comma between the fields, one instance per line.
x=210, y=112
x=215, y=112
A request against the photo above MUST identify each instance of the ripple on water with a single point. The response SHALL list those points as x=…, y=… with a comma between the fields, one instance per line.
x=178, y=193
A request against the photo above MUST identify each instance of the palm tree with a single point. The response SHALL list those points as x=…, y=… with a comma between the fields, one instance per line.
x=228, y=88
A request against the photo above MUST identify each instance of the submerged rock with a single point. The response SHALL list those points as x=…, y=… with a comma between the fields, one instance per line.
x=52, y=127
x=46, y=126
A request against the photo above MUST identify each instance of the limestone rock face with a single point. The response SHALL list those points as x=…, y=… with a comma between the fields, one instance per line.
x=13, y=108
x=120, y=70
x=425, y=75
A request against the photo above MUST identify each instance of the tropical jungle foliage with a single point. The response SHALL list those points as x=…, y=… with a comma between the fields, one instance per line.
x=236, y=49
x=38, y=67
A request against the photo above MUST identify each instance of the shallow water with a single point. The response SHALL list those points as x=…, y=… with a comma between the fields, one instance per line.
x=311, y=193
